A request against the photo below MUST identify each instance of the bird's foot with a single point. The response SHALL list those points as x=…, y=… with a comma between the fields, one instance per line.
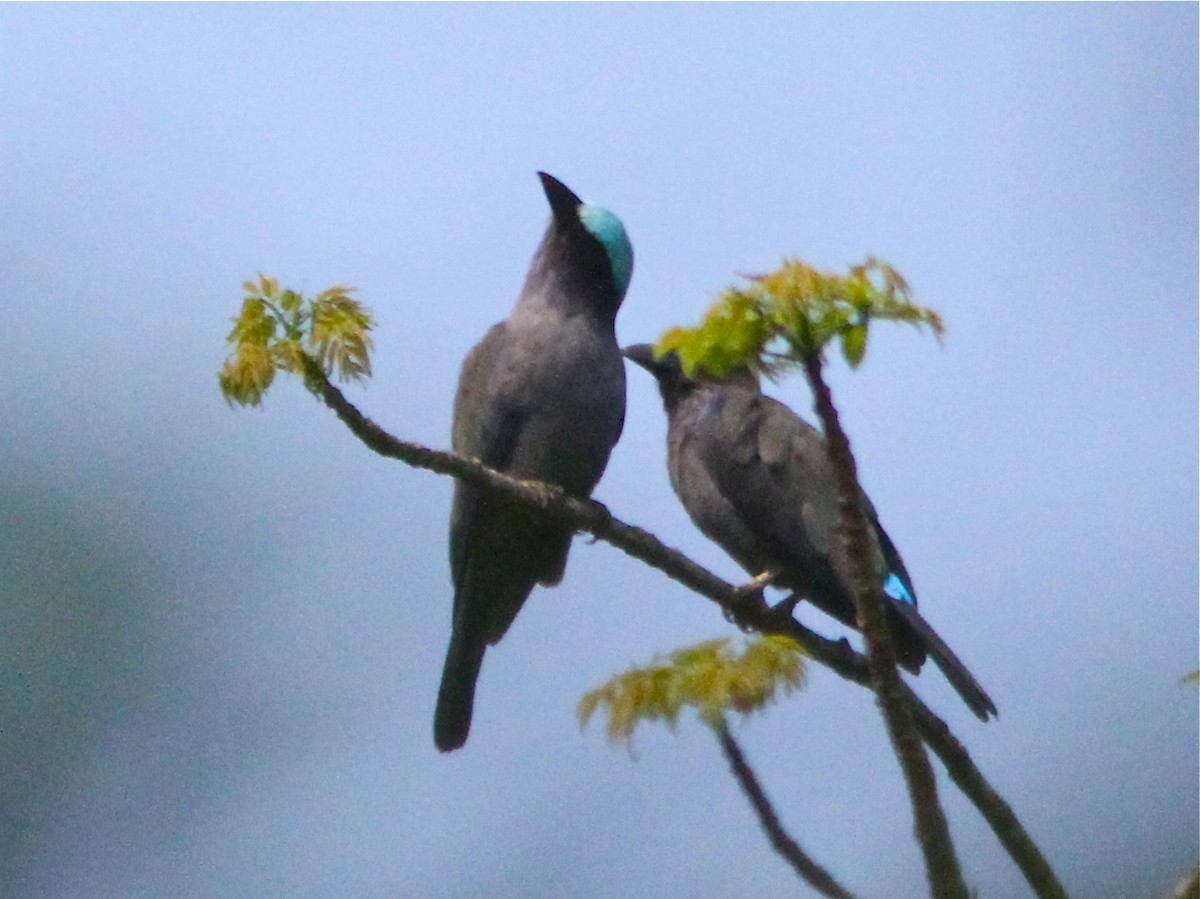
x=759, y=581
x=747, y=611
x=750, y=604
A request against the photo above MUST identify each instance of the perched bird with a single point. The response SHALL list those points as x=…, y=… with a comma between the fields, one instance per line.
x=541, y=397
x=757, y=479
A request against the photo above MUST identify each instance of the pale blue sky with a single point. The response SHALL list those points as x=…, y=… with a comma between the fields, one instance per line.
x=224, y=630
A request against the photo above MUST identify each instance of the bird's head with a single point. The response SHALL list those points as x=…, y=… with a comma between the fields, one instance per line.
x=674, y=383
x=593, y=238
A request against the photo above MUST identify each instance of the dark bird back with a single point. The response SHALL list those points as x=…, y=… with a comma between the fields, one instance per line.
x=541, y=397
x=757, y=479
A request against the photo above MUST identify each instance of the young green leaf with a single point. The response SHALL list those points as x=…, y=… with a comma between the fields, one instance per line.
x=247, y=374
x=709, y=677
x=854, y=344
x=276, y=327
x=340, y=335
x=800, y=309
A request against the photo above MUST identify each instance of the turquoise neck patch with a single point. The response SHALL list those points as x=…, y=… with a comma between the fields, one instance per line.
x=607, y=228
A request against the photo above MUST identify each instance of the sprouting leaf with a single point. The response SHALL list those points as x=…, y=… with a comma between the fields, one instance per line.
x=254, y=324
x=729, y=337
x=340, y=335
x=709, y=677
x=247, y=374
x=288, y=356
x=784, y=316
x=276, y=327
x=854, y=344
x=268, y=286
x=290, y=301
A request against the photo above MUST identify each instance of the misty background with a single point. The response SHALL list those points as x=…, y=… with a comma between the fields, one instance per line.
x=221, y=632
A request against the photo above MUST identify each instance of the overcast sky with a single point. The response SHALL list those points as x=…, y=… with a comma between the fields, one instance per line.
x=221, y=632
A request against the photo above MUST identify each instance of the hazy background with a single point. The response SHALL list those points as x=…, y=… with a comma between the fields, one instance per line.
x=221, y=632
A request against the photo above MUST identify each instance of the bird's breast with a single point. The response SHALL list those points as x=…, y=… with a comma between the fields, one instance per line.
x=570, y=388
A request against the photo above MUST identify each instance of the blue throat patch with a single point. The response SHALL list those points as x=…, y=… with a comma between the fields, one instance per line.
x=894, y=587
x=607, y=228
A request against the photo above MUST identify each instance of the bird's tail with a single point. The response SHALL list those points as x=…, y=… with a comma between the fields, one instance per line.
x=943, y=656
x=456, y=695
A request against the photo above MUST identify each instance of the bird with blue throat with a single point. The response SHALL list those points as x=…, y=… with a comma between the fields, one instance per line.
x=540, y=397
x=757, y=480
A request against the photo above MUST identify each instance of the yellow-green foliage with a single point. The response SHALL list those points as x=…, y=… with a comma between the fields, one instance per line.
x=709, y=677
x=793, y=312
x=276, y=325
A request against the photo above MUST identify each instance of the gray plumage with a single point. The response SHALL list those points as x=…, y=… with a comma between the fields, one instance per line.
x=541, y=397
x=757, y=479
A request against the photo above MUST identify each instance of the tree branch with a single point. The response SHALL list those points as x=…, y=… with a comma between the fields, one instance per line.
x=1188, y=886
x=816, y=876
x=995, y=810
x=750, y=612
x=933, y=833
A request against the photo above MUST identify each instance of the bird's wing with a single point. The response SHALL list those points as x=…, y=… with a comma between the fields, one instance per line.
x=773, y=468
x=793, y=453
x=757, y=458
x=693, y=483
x=487, y=424
x=898, y=584
x=798, y=454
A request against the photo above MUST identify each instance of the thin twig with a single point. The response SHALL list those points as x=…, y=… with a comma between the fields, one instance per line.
x=816, y=876
x=995, y=810
x=750, y=612
x=933, y=832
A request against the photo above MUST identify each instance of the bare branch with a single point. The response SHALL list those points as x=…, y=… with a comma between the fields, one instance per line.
x=933, y=833
x=816, y=876
x=995, y=810
x=1188, y=886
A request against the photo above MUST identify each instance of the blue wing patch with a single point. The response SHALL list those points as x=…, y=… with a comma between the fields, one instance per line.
x=894, y=587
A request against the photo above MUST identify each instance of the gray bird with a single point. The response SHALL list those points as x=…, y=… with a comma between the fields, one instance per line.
x=757, y=479
x=541, y=397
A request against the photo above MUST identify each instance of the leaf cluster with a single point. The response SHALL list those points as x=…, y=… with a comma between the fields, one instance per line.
x=779, y=319
x=277, y=327
x=710, y=677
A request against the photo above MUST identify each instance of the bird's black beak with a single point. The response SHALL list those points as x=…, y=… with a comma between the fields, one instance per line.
x=643, y=355
x=666, y=368
x=563, y=201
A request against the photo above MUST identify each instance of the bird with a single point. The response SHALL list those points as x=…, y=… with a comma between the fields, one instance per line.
x=540, y=397
x=756, y=479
